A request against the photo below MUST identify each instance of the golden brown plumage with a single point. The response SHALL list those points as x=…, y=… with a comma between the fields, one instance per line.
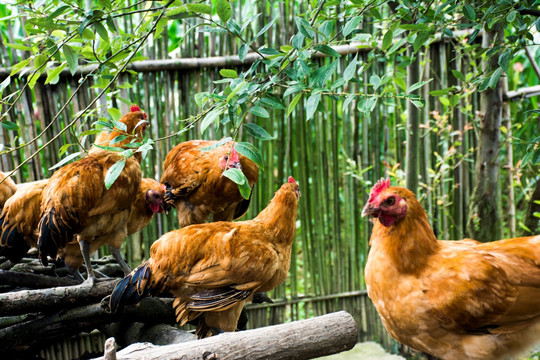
x=196, y=187
x=452, y=299
x=215, y=268
x=149, y=200
x=19, y=221
x=76, y=203
x=7, y=189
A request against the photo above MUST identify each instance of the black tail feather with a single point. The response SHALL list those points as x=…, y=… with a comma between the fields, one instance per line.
x=54, y=233
x=12, y=243
x=132, y=288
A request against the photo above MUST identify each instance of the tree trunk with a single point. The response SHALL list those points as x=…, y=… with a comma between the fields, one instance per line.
x=413, y=129
x=305, y=339
x=484, y=222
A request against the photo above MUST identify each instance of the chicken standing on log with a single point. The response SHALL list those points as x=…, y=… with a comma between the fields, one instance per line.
x=451, y=299
x=195, y=185
x=214, y=269
x=76, y=203
x=149, y=200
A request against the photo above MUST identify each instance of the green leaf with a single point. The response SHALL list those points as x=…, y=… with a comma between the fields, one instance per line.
x=9, y=125
x=421, y=38
x=293, y=103
x=228, y=73
x=19, y=47
x=66, y=160
x=494, y=78
x=88, y=34
x=418, y=85
x=238, y=177
x=251, y=152
x=292, y=89
x=258, y=132
x=199, y=8
x=504, y=59
x=259, y=111
x=4, y=85
x=72, y=58
x=441, y=92
x=34, y=78
x=242, y=52
x=223, y=9
x=115, y=114
x=40, y=60
x=350, y=70
x=176, y=12
x=119, y=125
x=113, y=173
x=469, y=12
x=511, y=16
x=272, y=102
x=375, y=81
x=327, y=50
x=54, y=74
x=387, y=39
x=351, y=25
x=19, y=66
x=312, y=104
x=458, y=75
x=102, y=31
x=265, y=28
x=210, y=118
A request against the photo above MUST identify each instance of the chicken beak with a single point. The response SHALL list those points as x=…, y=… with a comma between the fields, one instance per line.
x=369, y=210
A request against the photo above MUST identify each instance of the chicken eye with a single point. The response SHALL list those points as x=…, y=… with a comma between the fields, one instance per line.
x=390, y=201
x=226, y=157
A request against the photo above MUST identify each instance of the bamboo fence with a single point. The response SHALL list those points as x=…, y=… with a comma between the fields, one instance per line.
x=336, y=156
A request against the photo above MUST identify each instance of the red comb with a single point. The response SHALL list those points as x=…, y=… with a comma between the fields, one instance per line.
x=291, y=180
x=378, y=187
x=134, y=108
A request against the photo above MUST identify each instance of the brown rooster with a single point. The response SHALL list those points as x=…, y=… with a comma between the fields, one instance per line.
x=451, y=299
x=76, y=203
x=7, y=189
x=149, y=200
x=215, y=268
x=19, y=221
x=195, y=185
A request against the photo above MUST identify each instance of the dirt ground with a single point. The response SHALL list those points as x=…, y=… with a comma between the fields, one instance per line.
x=364, y=351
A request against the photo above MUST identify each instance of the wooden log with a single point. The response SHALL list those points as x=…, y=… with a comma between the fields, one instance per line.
x=33, y=281
x=304, y=339
x=21, y=302
x=127, y=332
x=30, y=335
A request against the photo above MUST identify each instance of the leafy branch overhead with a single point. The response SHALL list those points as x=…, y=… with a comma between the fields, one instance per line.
x=299, y=74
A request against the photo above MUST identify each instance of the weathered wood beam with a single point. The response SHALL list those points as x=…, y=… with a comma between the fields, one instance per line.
x=304, y=339
x=33, y=281
x=25, y=301
x=39, y=330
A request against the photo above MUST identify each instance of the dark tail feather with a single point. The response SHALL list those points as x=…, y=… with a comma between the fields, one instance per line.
x=54, y=233
x=132, y=288
x=12, y=244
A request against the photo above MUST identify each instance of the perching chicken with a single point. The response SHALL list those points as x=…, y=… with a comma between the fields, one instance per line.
x=451, y=299
x=215, y=268
x=75, y=202
x=149, y=200
x=7, y=189
x=19, y=221
x=196, y=187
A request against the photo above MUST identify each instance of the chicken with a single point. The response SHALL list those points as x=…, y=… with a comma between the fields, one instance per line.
x=19, y=221
x=451, y=299
x=149, y=200
x=7, y=188
x=196, y=187
x=76, y=203
x=215, y=268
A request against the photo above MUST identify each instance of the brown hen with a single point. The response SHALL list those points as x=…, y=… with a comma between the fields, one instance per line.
x=451, y=299
x=195, y=185
x=215, y=268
